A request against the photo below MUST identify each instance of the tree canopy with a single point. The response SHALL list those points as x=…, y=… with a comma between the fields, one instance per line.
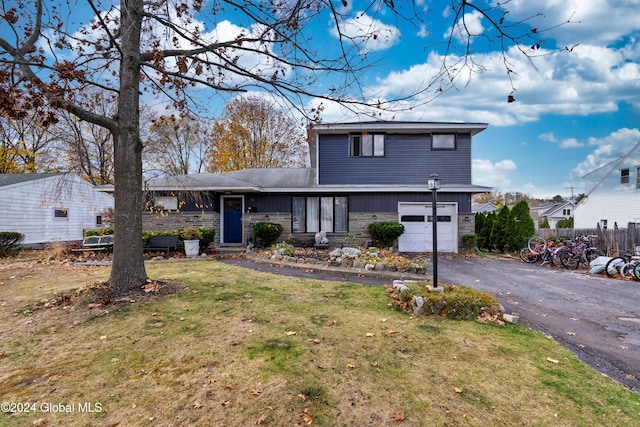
x=53, y=52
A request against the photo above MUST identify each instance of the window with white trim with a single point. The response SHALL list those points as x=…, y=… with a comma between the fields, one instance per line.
x=60, y=213
x=366, y=145
x=624, y=176
x=443, y=141
x=319, y=213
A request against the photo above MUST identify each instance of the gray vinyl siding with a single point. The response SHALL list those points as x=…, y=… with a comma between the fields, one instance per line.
x=408, y=160
x=388, y=202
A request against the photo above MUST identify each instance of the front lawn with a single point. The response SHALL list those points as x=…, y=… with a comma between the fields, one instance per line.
x=238, y=347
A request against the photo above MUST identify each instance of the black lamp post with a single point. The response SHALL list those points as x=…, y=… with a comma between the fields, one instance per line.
x=434, y=185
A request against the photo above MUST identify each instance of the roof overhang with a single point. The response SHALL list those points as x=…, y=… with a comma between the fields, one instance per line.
x=398, y=127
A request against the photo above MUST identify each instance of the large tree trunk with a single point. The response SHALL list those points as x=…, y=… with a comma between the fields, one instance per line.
x=128, y=270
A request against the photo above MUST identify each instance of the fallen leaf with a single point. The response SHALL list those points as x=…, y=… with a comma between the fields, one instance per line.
x=552, y=360
x=369, y=334
x=230, y=386
x=54, y=378
x=571, y=333
x=290, y=333
x=396, y=416
x=303, y=397
x=306, y=417
x=256, y=391
x=197, y=404
x=40, y=422
x=457, y=390
x=349, y=365
x=260, y=419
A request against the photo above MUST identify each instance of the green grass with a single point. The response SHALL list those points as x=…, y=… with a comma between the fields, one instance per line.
x=240, y=348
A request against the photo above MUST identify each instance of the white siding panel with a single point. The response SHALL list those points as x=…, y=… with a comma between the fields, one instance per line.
x=28, y=208
x=614, y=207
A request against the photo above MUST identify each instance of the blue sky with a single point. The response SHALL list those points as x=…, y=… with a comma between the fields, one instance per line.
x=574, y=111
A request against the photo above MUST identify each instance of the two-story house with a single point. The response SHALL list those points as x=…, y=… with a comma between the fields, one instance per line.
x=612, y=193
x=360, y=173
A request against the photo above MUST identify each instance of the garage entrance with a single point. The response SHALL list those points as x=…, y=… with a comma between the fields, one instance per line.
x=418, y=227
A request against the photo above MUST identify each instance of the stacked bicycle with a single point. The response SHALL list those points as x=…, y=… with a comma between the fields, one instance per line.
x=626, y=265
x=583, y=250
x=540, y=250
x=569, y=255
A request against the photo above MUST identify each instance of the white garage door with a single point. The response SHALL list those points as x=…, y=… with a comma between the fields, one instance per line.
x=418, y=227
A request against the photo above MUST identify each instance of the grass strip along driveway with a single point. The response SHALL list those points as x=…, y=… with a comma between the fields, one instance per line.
x=237, y=347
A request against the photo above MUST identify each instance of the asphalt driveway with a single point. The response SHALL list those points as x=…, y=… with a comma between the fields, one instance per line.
x=597, y=318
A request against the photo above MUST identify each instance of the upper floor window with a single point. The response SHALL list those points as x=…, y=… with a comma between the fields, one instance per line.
x=566, y=211
x=624, y=176
x=443, y=142
x=366, y=145
x=638, y=178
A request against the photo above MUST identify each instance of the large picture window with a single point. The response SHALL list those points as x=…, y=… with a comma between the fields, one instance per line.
x=313, y=214
x=366, y=145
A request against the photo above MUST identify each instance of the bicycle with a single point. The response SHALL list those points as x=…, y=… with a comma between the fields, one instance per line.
x=624, y=265
x=539, y=249
x=582, y=251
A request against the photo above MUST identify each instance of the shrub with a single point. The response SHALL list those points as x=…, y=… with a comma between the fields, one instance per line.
x=99, y=232
x=456, y=302
x=190, y=233
x=460, y=302
x=146, y=235
x=267, y=233
x=283, y=248
x=470, y=241
x=384, y=234
x=208, y=236
x=10, y=242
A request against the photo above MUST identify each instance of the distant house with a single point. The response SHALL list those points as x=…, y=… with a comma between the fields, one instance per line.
x=612, y=193
x=360, y=173
x=49, y=207
x=483, y=207
x=552, y=212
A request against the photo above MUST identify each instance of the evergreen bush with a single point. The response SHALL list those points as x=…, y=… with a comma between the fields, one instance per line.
x=267, y=233
x=10, y=242
x=384, y=234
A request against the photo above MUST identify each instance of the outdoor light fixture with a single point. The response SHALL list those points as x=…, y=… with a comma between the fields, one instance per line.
x=434, y=185
x=433, y=182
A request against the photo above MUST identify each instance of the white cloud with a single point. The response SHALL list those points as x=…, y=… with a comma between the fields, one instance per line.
x=608, y=149
x=469, y=25
x=591, y=21
x=367, y=33
x=492, y=174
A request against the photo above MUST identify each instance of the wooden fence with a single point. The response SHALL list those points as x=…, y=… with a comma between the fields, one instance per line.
x=611, y=241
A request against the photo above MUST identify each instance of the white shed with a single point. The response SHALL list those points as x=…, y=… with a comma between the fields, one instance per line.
x=49, y=207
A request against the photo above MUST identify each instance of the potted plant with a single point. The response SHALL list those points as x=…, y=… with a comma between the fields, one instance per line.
x=191, y=237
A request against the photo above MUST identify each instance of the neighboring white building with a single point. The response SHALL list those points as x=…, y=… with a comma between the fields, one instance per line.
x=613, y=194
x=50, y=207
x=553, y=213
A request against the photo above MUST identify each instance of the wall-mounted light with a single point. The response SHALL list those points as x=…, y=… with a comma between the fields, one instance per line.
x=374, y=216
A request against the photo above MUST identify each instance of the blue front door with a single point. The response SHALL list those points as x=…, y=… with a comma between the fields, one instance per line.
x=232, y=217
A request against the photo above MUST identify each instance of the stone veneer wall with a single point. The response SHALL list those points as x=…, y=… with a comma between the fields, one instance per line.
x=174, y=221
x=358, y=222
x=466, y=225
